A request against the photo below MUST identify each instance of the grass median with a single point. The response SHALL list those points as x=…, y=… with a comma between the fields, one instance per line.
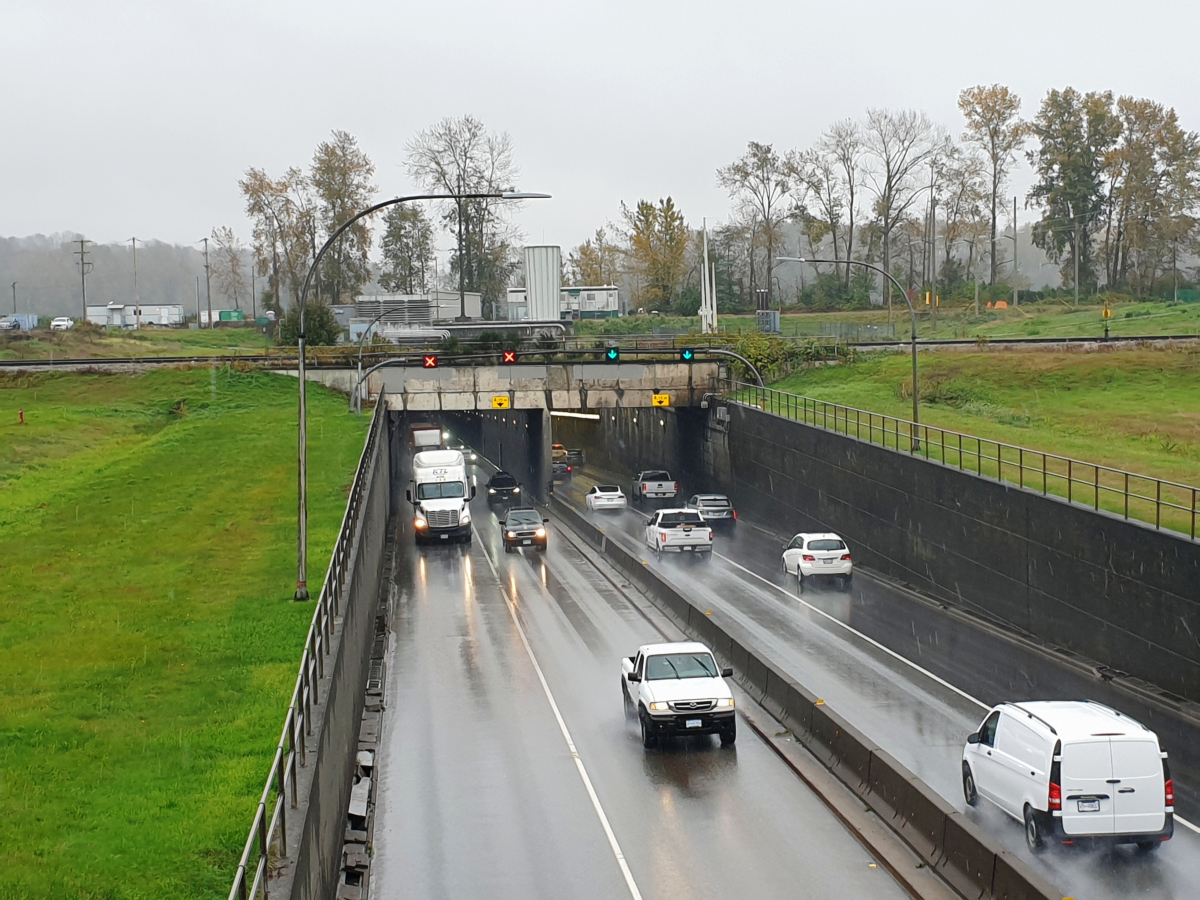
x=148, y=644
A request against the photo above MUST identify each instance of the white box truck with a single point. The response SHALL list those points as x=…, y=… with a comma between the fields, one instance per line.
x=423, y=436
x=441, y=495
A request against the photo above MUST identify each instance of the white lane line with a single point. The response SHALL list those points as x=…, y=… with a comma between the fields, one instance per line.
x=1186, y=824
x=562, y=726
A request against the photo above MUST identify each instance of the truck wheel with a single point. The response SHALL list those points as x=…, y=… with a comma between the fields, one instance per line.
x=1033, y=831
x=507, y=548
x=729, y=734
x=626, y=702
x=707, y=556
x=799, y=580
x=648, y=738
x=847, y=582
x=970, y=794
x=1148, y=846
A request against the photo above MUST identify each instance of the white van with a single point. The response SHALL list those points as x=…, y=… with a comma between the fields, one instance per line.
x=1072, y=770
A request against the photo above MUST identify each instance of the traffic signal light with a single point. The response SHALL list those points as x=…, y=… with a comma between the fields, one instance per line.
x=508, y=357
x=613, y=354
x=687, y=355
x=431, y=361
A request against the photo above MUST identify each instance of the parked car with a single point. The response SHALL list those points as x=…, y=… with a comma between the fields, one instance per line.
x=502, y=489
x=523, y=526
x=677, y=689
x=605, y=496
x=823, y=555
x=715, y=508
x=1071, y=771
x=62, y=323
x=654, y=484
x=679, y=531
x=468, y=454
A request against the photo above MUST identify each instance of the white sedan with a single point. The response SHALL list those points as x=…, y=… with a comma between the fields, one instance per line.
x=62, y=323
x=824, y=555
x=605, y=496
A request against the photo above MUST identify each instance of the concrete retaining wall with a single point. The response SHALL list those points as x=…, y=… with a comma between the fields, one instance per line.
x=1116, y=592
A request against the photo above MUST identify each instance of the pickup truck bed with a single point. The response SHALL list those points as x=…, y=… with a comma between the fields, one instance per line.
x=654, y=484
x=679, y=531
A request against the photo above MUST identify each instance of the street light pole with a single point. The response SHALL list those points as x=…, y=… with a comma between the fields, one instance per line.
x=137, y=300
x=302, y=432
x=207, y=283
x=14, y=287
x=916, y=419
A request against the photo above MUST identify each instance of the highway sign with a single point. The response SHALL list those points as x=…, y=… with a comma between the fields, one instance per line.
x=1107, y=313
x=500, y=401
x=661, y=400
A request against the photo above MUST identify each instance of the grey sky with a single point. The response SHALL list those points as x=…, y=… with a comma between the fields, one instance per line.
x=128, y=117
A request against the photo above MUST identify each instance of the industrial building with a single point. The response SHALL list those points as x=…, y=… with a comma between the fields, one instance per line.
x=128, y=315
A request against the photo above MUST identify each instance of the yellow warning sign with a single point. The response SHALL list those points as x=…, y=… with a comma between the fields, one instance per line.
x=661, y=400
x=1107, y=313
x=500, y=401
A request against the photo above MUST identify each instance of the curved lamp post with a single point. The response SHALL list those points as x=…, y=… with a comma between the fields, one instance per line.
x=302, y=436
x=911, y=310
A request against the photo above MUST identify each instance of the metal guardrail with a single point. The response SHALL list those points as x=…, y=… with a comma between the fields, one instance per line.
x=1167, y=505
x=268, y=831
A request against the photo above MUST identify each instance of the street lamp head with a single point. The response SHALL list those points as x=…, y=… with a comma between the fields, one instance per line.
x=523, y=195
x=798, y=259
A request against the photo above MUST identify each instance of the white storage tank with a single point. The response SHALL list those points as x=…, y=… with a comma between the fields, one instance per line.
x=543, y=283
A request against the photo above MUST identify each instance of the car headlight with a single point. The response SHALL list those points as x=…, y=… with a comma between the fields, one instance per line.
x=510, y=534
x=728, y=701
x=491, y=490
x=659, y=706
x=419, y=522
x=541, y=532
x=516, y=490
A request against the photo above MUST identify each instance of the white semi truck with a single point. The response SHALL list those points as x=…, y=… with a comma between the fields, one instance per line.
x=441, y=494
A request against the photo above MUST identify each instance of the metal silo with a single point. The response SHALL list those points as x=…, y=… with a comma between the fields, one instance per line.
x=543, y=282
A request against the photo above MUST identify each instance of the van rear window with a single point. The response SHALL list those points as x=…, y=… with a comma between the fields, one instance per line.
x=826, y=545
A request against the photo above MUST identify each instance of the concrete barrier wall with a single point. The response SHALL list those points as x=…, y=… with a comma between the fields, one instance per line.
x=1116, y=592
x=967, y=857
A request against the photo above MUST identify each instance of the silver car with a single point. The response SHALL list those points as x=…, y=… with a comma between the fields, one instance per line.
x=716, y=509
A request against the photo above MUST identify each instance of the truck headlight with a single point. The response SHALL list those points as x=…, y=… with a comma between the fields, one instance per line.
x=659, y=707
x=510, y=534
x=466, y=519
x=491, y=490
x=516, y=490
x=420, y=523
x=541, y=532
x=728, y=701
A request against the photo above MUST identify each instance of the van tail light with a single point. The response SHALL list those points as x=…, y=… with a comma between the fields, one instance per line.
x=846, y=557
x=808, y=558
x=1170, y=792
x=1054, y=800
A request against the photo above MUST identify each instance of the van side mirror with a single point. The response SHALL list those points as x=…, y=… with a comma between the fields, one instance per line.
x=973, y=738
x=727, y=672
x=634, y=676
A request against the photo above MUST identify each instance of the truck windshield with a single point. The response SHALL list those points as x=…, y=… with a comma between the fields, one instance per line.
x=439, y=490
x=680, y=665
x=675, y=520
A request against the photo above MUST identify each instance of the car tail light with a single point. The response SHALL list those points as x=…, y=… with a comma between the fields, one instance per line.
x=808, y=558
x=710, y=534
x=568, y=468
x=1054, y=799
x=735, y=515
x=846, y=557
x=1170, y=791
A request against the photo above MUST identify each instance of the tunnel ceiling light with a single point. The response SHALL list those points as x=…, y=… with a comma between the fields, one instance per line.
x=562, y=414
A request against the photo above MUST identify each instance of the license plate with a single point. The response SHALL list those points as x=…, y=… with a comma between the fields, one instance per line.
x=526, y=542
x=688, y=548
x=1089, y=806
x=828, y=562
x=444, y=536
x=692, y=723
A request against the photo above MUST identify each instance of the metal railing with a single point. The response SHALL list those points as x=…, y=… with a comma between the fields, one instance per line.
x=267, y=841
x=1167, y=505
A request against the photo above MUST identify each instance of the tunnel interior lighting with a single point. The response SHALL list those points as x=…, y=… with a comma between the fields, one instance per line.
x=562, y=414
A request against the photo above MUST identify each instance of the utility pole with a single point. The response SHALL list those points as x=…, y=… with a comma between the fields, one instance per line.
x=14, y=286
x=84, y=268
x=253, y=298
x=197, y=301
x=1076, y=255
x=1174, y=269
x=207, y=283
x=462, y=269
x=1016, y=298
x=933, y=299
x=137, y=300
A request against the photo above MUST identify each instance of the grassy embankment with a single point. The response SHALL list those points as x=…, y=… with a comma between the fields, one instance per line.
x=148, y=644
x=1132, y=409
x=1045, y=319
x=86, y=343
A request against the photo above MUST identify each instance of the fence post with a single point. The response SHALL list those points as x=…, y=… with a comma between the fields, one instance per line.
x=1070, y=481
x=1021, y=467
x=1127, y=495
x=1096, y=480
x=1157, y=503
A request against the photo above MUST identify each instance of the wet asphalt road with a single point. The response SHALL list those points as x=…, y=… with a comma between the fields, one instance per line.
x=920, y=721
x=479, y=793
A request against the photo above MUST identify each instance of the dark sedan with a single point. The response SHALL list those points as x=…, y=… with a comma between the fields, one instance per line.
x=523, y=527
x=503, y=489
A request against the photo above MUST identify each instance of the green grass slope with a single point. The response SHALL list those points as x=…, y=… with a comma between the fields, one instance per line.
x=148, y=644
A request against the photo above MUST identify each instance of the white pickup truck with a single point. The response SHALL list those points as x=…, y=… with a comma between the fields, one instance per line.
x=677, y=689
x=654, y=484
x=679, y=531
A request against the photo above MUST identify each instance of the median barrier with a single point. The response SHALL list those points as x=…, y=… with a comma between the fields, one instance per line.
x=963, y=854
x=968, y=860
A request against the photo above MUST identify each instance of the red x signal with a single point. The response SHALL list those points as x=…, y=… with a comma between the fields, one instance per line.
x=430, y=362
x=509, y=357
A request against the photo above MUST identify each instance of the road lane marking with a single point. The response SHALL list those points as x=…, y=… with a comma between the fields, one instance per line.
x=562, y=726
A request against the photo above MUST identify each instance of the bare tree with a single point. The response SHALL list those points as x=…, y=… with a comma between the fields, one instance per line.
x=229, y=265
x=994, y=125
x=460, y=156
x=759, y=183
x=899, y=145
x=832, y=173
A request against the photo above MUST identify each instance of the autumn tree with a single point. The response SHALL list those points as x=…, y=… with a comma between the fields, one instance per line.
x=284, y=216
x=596, y=261
x=229, y=265
x=460, y=156
x=341, y=179
x=658, y=239
x=994, y=125
x=759, y=182
x=899, y=146
x=1075, y=134
x=407, y=246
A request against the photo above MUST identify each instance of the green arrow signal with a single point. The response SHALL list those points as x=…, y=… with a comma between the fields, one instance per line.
x=687, y=355
x=613, y=354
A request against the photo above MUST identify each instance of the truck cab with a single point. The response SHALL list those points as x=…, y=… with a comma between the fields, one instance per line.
x=441, y=495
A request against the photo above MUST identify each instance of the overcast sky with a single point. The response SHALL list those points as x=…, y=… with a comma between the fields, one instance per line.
x=125, y=117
